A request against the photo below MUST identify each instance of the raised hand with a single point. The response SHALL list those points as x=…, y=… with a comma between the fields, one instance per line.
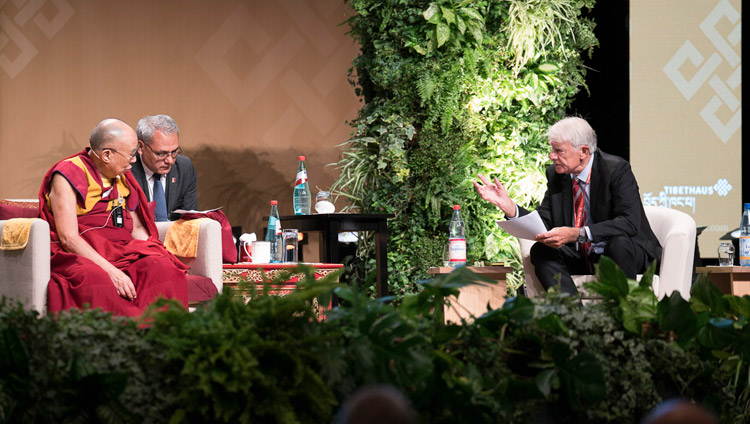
x=495, y=193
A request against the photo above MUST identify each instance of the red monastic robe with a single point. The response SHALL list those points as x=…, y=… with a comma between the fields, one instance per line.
x=76, y=281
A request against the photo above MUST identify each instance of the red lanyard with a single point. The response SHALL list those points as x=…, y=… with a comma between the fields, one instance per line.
x=579, y=211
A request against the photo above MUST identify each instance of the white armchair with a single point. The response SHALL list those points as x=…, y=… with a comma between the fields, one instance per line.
x=24, y=274
x=676, y=233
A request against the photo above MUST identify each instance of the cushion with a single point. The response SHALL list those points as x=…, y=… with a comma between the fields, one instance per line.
x=14, y=209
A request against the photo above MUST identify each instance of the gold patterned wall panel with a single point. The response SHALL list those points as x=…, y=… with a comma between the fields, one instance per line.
x=686, y=109
x=252, y=85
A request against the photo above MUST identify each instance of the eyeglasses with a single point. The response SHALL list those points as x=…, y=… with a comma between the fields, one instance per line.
x=162, y=155
x=129, y=157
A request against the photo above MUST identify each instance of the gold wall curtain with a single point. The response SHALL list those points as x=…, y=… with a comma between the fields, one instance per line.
x=251, y=84
x=686, y=109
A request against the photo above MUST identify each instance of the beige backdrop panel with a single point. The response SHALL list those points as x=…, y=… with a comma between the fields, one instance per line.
x=686, y=110
x=252, y=85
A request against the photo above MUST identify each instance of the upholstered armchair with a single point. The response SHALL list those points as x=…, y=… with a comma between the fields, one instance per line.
x=676, y=233
x=25, y=273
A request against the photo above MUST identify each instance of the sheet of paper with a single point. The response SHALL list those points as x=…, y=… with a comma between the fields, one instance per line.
x=525, y=227
x=191, y=211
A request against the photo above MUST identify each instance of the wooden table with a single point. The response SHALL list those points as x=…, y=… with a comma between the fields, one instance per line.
x=728, y=279
x=331, y=224
x=473, y=298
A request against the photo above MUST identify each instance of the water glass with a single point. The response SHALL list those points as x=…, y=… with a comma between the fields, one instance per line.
x=323, y=202
x=726, y=254
x=290, y=245
x=446, y=255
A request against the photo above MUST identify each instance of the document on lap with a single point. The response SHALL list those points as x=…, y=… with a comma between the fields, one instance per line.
x=525, y=227
x=191, y=211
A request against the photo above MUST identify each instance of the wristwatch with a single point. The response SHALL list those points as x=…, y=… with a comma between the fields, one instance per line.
x=582, y=237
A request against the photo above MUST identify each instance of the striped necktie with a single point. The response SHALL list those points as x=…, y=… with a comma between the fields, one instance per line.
x=580, y=208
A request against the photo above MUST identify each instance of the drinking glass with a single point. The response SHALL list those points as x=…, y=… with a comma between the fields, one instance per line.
x=323, y=202
x=447, y=255
x=289, y=245
x=726, y=254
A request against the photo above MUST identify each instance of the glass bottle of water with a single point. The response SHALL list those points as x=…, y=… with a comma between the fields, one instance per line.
x=457, y=239
x=745, y=236
x=273, y=232
x=301, y=190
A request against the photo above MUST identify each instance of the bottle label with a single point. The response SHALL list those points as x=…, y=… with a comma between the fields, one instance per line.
x=278, y=227
x=457, y=251
x=745, y=248
x=301, y=178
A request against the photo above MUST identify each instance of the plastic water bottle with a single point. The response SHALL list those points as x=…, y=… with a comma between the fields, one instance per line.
x=273, y=232
x=301, y=190
x=457, y=239
x=745, y=236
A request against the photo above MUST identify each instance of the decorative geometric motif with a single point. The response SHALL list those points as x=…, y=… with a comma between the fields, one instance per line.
x=724, y=90
x=278, y=64
x=722, y=187
x=12, y=31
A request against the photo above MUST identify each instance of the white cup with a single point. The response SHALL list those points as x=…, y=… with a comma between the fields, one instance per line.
x=261, y=252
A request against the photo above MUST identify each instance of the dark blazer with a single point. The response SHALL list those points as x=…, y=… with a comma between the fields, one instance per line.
x=182, y=184
x=615, y=203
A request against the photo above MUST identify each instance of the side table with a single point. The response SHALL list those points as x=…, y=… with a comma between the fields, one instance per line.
x=473, y=299
x=258, y=274
x=331, y=224
x=728, y=279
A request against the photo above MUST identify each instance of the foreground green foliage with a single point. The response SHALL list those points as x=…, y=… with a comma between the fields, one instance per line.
x=276, y=360
x=453, y=88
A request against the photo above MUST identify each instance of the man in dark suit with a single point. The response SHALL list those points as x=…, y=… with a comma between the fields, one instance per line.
x=166, y=176
x=592, y=207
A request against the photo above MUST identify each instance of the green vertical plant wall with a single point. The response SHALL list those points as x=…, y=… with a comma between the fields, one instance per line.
x=451, y=89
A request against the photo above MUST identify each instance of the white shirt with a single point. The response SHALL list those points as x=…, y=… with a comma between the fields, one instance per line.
x=150, y=180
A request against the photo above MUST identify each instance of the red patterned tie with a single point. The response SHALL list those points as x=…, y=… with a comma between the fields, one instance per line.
x=580, y=219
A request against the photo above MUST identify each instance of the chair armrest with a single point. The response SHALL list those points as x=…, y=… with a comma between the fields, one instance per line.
x=678, y=251
x=533, y=285
x=26, y=272
x=208, y=260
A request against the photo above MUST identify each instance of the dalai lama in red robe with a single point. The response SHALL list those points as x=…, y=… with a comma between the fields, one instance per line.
x=105, y=247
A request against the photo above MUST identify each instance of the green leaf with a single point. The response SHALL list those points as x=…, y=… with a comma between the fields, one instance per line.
x=553, y=324
x=739, y=306
x=717, y=334
x=448, y=15
x=544, y=381
x=442, y=32
x=476, y=32
x=472, y=14
x=675, y=314
x=548, y=67
x=704, y=296
x=430, y=12
x=612, y=284
x=583, y=380
x=520, y=310
x=461, y=24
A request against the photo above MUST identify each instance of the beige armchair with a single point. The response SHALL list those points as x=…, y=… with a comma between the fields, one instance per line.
x=676, y=233
x=24, y=274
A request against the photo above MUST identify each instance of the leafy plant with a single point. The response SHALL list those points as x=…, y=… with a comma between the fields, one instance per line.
x=275, y=359
x=453, y=88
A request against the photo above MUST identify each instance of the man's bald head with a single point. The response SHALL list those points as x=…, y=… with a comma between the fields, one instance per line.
x=108, y=131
